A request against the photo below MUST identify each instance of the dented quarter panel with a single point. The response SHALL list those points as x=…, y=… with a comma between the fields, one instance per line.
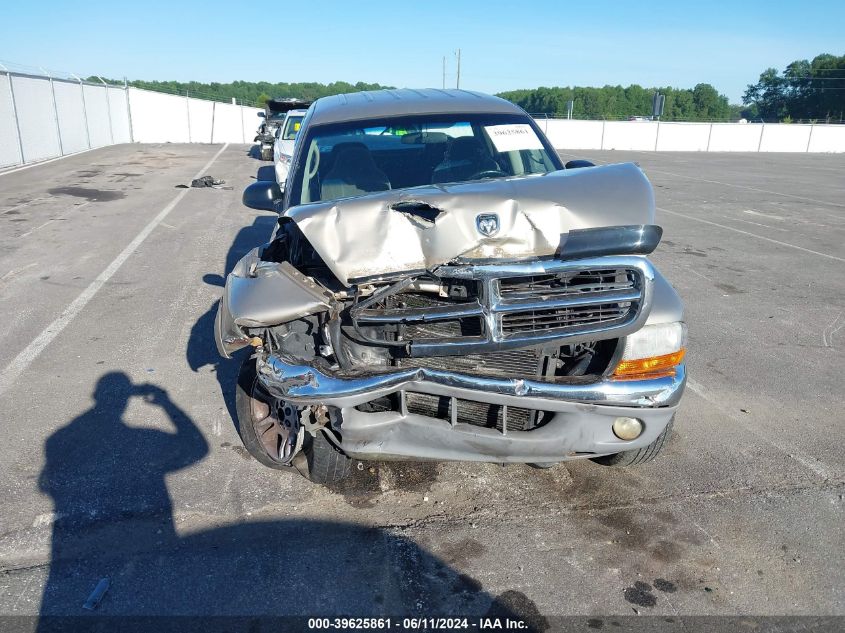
x=364, y=237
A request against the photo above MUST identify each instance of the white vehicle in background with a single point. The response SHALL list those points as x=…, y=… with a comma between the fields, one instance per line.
x=283, y=147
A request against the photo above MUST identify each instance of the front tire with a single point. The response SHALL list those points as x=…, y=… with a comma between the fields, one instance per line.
x=266, y=153
x=640, y=455
x=259, y=430
x=326, y=463
x=263, y=433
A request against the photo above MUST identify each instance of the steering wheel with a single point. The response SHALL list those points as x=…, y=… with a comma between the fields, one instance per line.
x=488, y=173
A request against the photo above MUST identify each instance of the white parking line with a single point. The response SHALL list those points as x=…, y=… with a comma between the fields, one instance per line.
x=31, y=351
x=41, y=226
x=760, y=224
x=15, y=271
x=749, y=233
x=763, y=215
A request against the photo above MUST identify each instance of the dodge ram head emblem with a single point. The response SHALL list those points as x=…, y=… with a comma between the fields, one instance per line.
x=487, y=224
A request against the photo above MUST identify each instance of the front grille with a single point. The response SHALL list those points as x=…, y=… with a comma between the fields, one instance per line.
x=473, y=310
x=564, y=318
x=566, y=284
x=470, y=412
x=572, y=287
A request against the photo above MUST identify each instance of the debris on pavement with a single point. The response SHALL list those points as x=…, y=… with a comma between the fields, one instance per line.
x=206, y=181
x=97, y=595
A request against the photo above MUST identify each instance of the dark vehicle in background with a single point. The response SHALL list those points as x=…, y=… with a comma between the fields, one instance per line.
x=441, y=286
x=275, y=112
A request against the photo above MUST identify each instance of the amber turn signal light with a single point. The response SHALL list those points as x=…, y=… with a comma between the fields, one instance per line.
x=660, y=365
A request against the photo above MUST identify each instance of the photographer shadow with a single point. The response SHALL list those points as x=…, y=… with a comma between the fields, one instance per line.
x=107, y=479
x=114, y=520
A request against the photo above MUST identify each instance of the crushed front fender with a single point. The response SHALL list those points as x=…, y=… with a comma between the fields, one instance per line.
x=263, y=294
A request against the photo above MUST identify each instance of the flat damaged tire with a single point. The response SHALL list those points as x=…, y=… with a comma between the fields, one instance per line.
x=326, y=463
x=639, y=456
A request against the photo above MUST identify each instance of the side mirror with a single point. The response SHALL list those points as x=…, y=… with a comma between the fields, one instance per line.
x=261, y=114
x=262, y=195
x=575, y=164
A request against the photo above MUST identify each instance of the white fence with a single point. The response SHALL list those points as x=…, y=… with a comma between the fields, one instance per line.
x=163, y=118
x=43, y=117
x=659, y=136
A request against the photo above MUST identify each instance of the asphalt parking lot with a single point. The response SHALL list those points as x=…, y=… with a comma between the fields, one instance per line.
x=120, y=458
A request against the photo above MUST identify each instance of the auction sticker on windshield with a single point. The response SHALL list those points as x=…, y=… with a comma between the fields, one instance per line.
x=515, y=136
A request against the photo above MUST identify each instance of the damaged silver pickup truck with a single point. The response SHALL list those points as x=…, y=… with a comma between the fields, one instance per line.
x=441, y=287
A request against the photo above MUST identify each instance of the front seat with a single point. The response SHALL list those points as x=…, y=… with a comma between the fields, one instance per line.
x=354, y=173
x=465, y=157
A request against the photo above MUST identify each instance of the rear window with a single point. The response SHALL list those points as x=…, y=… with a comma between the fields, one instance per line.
x=292, y=128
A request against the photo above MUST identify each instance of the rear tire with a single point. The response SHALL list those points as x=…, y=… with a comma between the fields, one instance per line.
x=266, y=153
x=640, y=455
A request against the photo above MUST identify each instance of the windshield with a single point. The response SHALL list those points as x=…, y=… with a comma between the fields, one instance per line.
x=292, y=127
x=353, y=159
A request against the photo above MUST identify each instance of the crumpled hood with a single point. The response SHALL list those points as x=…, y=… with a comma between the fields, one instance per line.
x=364, y=237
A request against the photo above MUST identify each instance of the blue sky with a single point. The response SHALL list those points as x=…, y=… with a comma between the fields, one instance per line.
x=505, y=45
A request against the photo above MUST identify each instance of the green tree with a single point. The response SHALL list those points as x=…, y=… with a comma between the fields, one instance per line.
x=708, y=103
x=805, y=90
x=768, y=94
x=615, y=102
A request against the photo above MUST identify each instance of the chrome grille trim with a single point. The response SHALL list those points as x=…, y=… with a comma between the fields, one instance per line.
x=564, y=314
x=591, y=299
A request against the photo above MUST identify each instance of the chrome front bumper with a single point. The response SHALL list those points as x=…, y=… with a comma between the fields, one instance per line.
x=583, y=412
x=295, y=382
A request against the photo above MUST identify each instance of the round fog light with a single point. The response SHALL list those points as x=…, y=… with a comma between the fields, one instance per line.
x=627, y=428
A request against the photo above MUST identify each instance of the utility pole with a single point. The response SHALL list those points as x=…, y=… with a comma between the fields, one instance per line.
x=444, y=72
x=458, y=76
